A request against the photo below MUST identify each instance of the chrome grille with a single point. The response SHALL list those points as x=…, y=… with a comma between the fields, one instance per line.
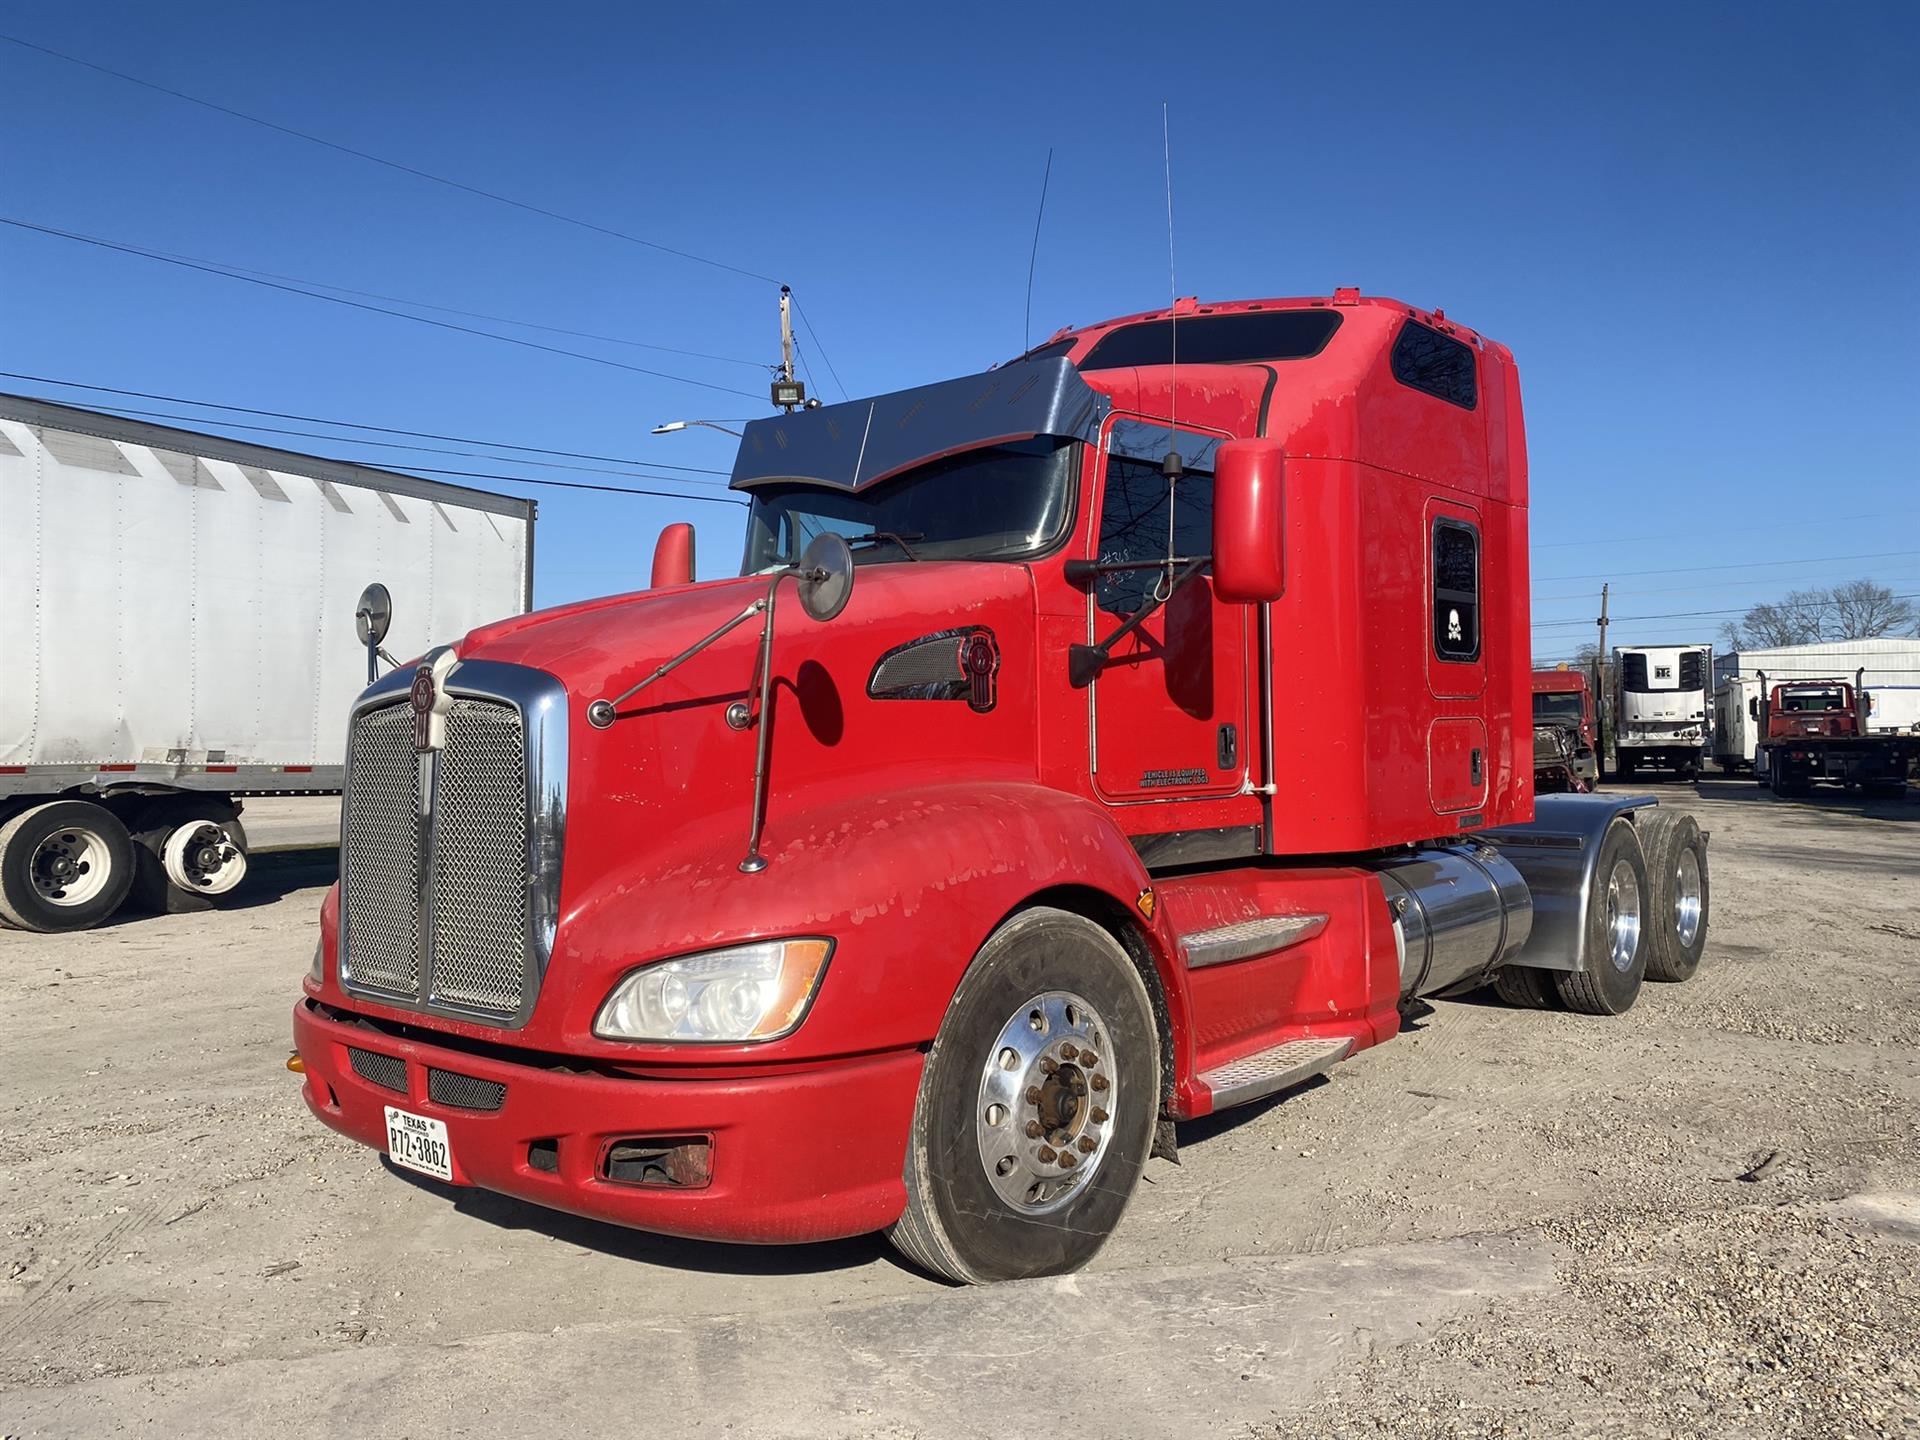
x=454, y=910
x=480, y=860
x=380, y=856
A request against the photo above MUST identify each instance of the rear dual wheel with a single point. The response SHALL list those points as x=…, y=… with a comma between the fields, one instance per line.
x=189, y=852
x=1617, y=938
x=64, y=865
x=1037, y=1105
x=1677, y=869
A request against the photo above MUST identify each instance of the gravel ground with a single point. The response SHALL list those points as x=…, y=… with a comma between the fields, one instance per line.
x=1504, y=1223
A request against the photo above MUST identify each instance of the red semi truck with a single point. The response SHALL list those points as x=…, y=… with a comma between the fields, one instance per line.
x=1566, y=751
x=1097, y=742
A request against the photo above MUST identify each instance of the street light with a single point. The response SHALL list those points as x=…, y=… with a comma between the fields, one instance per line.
x=673, y=425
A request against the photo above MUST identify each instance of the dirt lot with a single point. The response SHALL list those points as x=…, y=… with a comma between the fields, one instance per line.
x=1504, y=1223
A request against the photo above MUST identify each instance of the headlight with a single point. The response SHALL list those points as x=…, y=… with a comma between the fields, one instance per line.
x=746, y=992
x=316, y=972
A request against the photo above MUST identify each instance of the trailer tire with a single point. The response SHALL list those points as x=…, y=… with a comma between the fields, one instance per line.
x=1006, y=1081
x=1524, y=987
x=1677, y=865
x=1616, y=929
x=180, y=822
x=64, y=865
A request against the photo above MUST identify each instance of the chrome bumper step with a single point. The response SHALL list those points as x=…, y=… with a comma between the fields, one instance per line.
x=1253, y=1077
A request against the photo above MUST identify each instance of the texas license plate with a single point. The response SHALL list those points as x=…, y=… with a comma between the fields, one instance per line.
x=419, y=1144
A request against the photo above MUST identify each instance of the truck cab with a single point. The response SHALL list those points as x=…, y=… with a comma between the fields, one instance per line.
x=1086, y=745
x=1566, y=748
x=1814, y=729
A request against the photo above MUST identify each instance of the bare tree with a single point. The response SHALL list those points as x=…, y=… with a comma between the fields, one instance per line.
x=1862, y=610
x=1800, y=619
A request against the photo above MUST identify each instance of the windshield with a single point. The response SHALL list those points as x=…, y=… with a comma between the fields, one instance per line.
x=1002, y=503
x=1561, y=709
x=1807, y=700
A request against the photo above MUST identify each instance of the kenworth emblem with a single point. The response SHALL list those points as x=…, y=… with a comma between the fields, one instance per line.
x=430, y=701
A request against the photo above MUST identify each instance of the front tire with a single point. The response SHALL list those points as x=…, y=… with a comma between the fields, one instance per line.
x=64, y=865
x=1037, y=1106
x=1677, y=866
x=1616, y=929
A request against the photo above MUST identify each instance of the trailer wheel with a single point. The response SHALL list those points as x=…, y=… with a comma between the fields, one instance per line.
x=64, y=865
x=1677, y=866
x=1524, y=987
x=1037, y=1106
x=1617, y=939
x=188, y=852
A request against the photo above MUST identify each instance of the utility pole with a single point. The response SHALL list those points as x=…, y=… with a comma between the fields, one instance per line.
x=788, y=393
x=1600, y=706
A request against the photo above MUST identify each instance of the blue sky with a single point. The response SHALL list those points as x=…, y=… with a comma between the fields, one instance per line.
x=1696, y=227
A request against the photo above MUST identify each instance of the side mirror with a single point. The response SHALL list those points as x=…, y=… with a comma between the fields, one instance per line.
x=825, y=576
x=673, y=556
x=1249, y=535
x=372, y=618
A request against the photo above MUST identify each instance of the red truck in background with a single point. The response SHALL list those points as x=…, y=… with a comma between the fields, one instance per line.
x=1566, y=749
x=1812, y=730
x=1152, y=725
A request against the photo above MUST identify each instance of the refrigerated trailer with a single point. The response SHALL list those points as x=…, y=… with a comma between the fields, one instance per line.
x=1660, y=708
x=177, y=633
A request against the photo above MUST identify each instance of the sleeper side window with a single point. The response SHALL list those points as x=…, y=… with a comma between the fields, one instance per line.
x=1456, y=590
x=1440, y=365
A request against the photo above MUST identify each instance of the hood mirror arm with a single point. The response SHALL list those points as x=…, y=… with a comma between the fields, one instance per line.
x=602, y=713
x=1085, y=662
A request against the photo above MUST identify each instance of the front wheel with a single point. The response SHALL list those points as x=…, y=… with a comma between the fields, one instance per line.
x=1037, y=1106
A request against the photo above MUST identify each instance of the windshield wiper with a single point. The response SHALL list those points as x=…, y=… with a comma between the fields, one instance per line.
x=889, y=537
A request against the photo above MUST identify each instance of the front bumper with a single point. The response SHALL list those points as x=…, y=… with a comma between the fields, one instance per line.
x=807, y=1154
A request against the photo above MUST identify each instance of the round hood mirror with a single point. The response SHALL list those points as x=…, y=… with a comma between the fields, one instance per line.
x=825, y=576
x=374, y=614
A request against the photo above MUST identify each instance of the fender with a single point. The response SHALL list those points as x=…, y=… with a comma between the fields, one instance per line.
x=908, y=881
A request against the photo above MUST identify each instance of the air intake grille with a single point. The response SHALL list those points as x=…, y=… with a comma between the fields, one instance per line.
x=388, y=1071
x=380, y=857
x=440, y=910
x=480, y=860
x=465, y=1092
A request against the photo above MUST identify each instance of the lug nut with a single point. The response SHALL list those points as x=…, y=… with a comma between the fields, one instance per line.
x=1099, y=1116
x=1048, y=1155
x=1068, y=1160
x=1034, y=1130
x=1086, y=1145
x=1067, y=1052
x=1033, y=1094
x=1089, y=1059
x=1099, y=1082
x=1047, y=1067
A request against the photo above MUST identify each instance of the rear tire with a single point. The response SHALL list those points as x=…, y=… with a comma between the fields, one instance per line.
x=989, y=1196
x=208, y=851
x=1616, y=948
x=1677, y=865
x=64, y=865
x=1524, y=988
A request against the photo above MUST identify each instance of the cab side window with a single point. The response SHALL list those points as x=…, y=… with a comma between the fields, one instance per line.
x=1456, y=590
x=1133, y=526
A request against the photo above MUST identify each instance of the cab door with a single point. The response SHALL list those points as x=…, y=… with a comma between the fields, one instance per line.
x=1169, y=710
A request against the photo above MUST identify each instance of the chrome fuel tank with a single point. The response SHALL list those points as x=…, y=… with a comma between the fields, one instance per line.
x=1459, y=913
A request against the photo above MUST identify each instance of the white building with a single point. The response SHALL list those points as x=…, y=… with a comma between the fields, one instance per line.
x=1891, y=666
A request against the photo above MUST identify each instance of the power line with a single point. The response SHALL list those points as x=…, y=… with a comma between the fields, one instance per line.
x=814, y=336
x=1714, y=585
x=1676, y=615
x=423, y=471
x=353, y=424
x=399, y=165
x=1743, y=565
x=230, y=274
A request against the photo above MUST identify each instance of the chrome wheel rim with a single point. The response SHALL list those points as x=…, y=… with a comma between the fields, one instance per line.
x=70, y=866
x=1623, y=916
x=1042, y=1118
x=1689, y=899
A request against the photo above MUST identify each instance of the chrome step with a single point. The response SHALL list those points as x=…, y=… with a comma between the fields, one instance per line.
x=1254, y=1076
x=1249, y=938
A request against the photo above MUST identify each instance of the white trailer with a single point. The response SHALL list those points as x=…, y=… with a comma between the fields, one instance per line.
x=177, y=631
x=1660, y=707
x=1893, y=710
x=1736, y=722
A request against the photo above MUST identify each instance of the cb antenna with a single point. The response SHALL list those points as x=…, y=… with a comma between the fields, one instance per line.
x=1172, y=467
x=1026, y=337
